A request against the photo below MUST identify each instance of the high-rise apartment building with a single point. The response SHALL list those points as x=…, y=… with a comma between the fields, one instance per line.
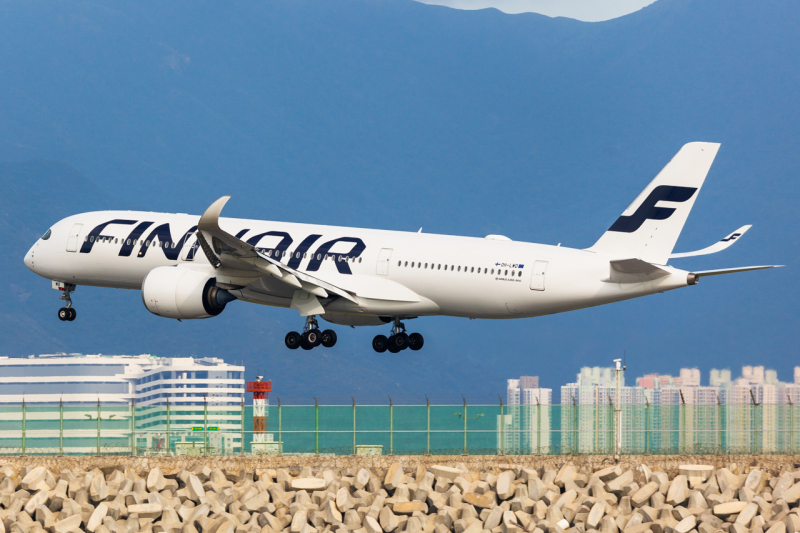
x=526, y=427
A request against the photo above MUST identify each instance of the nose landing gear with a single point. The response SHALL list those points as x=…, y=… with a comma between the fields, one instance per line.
x=398, y=340
x=311, y=336
x=67, y=313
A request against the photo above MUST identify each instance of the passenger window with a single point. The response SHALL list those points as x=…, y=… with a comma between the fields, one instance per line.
x=426, y=265
x=459, y=268
x=412, y=264
x=513, y=274
x=472, y=269
x=520, y=274
x=399, y=263
x=405, y=265
x=492, y=271
x=359, y=259
x=506, y=274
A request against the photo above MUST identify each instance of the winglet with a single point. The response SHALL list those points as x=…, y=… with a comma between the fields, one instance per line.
x=210, y=219
x=717, y=246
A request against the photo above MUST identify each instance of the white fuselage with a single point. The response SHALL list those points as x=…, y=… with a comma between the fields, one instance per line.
x=457, y=276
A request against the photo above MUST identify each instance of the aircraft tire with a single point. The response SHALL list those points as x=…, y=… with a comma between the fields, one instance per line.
x=328, y=338
x=314, y=337
x=393, y=348
x=63, y=314
x=72, y=314
x=305, y=341
x=292, y=340
x=401, y=341
x=415, y=341
x=380, y=343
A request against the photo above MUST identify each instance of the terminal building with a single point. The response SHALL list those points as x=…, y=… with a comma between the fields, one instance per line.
x=134, y=400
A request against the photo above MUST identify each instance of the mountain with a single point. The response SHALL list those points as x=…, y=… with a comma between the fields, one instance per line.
x=399, y=115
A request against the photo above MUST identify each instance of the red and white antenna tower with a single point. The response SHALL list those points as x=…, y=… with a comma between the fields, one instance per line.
x=260, y=390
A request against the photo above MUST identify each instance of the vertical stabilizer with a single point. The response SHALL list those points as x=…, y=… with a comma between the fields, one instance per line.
x=651, y=225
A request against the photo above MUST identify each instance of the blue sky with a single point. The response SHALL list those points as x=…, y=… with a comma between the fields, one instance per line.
x=401, y=115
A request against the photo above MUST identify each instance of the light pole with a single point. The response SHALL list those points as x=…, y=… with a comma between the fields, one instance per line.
x=617, y=410
x=465, y=417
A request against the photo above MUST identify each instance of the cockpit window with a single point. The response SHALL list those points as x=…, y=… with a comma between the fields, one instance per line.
x=46, y=235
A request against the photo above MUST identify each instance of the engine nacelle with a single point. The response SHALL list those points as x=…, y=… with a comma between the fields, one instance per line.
x=183, y=293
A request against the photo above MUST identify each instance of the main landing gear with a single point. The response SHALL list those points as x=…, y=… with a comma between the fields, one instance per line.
x=398, y=340
x=311, y=336
x=67, y=313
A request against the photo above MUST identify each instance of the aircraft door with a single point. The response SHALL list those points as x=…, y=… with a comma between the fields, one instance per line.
x=72, y=241
x=537, y=276
x=383, y=261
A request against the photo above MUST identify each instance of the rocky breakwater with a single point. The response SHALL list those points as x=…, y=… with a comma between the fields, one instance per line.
x=437, y=499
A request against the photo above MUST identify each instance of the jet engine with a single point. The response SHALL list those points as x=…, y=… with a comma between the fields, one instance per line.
x=183, y=293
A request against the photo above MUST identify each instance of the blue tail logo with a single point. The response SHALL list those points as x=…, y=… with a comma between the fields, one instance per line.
x=648, y=209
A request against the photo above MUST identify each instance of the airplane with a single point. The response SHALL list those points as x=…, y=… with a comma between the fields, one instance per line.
x=190, y=267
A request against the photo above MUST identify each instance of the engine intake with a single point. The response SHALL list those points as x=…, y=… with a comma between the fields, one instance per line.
x=183, y=293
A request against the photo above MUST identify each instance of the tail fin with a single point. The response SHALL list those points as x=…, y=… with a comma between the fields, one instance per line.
x=651, y=225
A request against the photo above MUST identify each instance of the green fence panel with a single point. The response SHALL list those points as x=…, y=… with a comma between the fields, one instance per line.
x=221, y=429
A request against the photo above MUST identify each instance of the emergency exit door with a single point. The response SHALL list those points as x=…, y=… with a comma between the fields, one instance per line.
x=537, y=276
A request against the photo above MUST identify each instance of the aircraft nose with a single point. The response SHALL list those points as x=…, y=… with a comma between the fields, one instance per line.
x=29, y=259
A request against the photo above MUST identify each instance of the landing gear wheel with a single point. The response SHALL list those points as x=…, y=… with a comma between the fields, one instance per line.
x=328, y=338
x=393, y=348
x=305, y=341
x=72, y=314
x=64, y=314
x=399, y=341
x=380, y=343
x=314, y=337
x=415, y=341
x=292, y=340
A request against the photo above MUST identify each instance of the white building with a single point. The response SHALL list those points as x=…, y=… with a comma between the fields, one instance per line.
x=145, y=379
x=158, y=399
x=525, y=428
x=587, y=413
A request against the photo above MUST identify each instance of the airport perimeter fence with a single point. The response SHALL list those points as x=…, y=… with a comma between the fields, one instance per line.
x=120, y=429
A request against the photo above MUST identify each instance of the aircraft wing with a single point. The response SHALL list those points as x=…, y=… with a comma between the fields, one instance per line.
x=225, y=250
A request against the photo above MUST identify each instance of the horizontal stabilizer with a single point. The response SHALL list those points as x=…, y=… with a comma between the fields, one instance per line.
x=634, y=271
x=717, y=246
x=704, y=273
